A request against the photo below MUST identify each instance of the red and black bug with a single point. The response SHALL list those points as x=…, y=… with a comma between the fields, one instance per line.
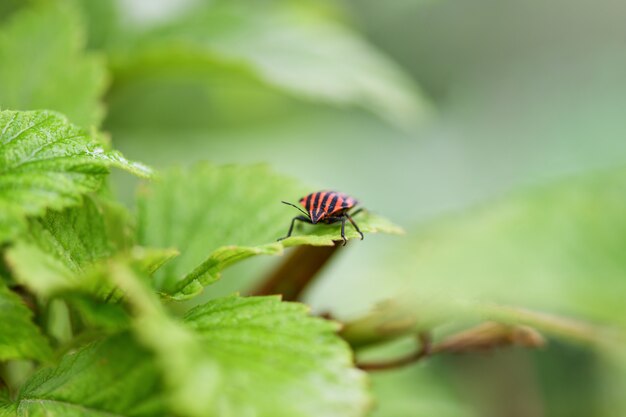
x=326, y=207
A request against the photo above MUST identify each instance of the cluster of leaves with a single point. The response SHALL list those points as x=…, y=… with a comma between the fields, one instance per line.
x=85, y=285
x=90, y=293
x=70, y=242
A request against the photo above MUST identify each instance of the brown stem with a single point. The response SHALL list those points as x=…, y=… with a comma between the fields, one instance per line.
x=295, y=274
x=423, y=351
x=483, y=337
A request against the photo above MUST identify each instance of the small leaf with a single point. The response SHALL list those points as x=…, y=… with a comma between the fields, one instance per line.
x=217, y=216
x=237, y=356
x=19, y=337
x=291, y=47
x=111, y=377
x=44, y=65
x=45, y=162
x=59, y=247
x=77, y=236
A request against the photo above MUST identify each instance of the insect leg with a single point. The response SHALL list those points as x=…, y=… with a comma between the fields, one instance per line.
x=343, y=227
x=293, y=221
x=354, y=224
x=358, y=211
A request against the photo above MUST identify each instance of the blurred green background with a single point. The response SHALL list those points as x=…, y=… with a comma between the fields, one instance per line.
x=423, y=110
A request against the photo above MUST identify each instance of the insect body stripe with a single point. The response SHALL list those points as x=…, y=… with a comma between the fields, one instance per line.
x=324, y=203
x=319, y=204
x=316, y=200
x=338, y=203
x=331, y=204
x=307, y=203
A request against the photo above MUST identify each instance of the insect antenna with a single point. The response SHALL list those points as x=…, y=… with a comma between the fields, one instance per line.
x=293, y=205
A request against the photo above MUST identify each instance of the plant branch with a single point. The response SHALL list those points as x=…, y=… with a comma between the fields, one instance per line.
x=297, y=271
x=483, y=337
x=425, y=345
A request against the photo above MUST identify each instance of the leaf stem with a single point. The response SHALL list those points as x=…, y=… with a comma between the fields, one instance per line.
x=425, y=346
x=296, y=273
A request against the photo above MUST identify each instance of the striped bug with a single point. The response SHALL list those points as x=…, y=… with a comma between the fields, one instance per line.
x=326, y=207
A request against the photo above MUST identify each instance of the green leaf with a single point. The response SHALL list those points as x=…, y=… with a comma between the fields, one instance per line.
x=19, y=337
x=217, y=216
x=77, y=236
x=59, y=248
x=45, y=162
x=236, y=356
x=557, y=249
x=44, y=65
x=101, y=21
x=39, y=271
x=66, y=252
x=292, y=47
x=6, y=409
x=305, y=368
x=114, y=377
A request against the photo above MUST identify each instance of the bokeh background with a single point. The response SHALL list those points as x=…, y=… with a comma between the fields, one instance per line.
x=424, y=111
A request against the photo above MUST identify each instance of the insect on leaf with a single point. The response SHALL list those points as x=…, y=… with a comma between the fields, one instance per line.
x=218, y=215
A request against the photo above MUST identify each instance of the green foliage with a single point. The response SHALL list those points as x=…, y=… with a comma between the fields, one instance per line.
x=299, y=356
x=256, y=353
x=217, y=216
x=45, y=162
x=19, y=337
x=111, y=377
x=76, y=235
x=90, y=318
x=292, y=47
x=83, y=252
x=59, y=76
x=560, y=246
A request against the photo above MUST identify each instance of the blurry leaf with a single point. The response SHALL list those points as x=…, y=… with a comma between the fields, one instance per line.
x=257, y=355
x=594, y=334
x=106, y=316
x=291, y=47
x=417, y=391
x=388, y=320
x=149, y=260
x=39, y=271
x=488, y=336
x=101, y=21
x=558, y=249
x=119, y=223
x=216, y=216
x=44, y=67
x=6, y=409
x=47, y=274
x=112, y=377
x=77, y=236
x=19, y=337
x=59, y=246
x=8, y=7
x=65, y=253
x=45, y=162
